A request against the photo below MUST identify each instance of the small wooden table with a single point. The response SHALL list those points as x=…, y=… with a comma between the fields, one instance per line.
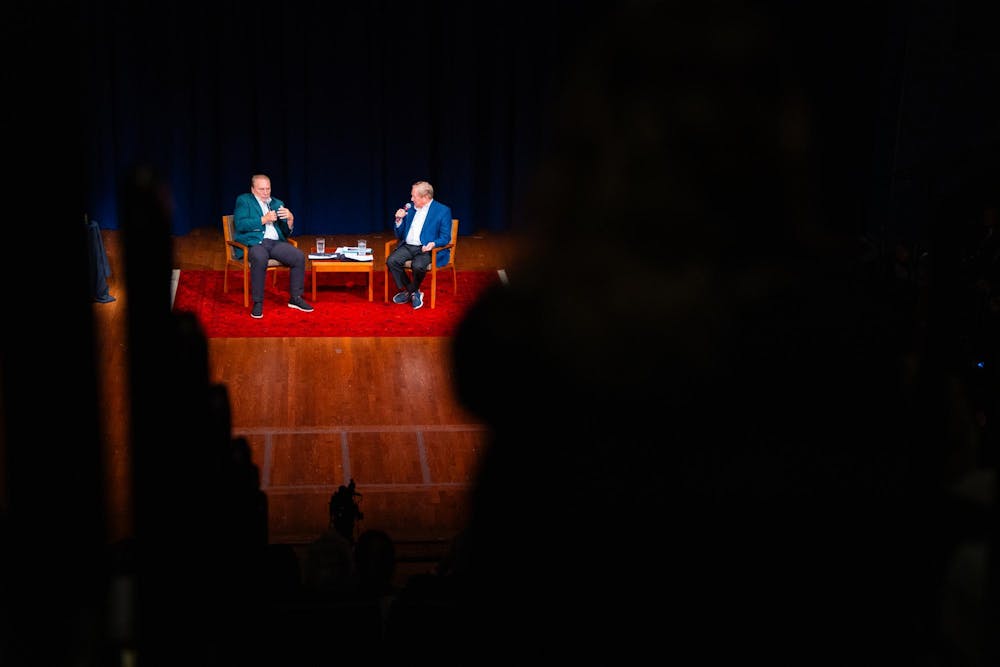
x=342, y=266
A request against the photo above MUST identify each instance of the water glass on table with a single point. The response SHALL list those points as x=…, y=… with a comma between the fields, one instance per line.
x=320, y=245
x=362, y=246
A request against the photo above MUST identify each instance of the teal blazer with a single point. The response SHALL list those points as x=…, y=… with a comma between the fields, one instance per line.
x=246, y=221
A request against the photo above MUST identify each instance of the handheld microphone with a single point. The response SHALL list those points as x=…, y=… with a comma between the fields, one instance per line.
x=272, y=207
x=406, y=207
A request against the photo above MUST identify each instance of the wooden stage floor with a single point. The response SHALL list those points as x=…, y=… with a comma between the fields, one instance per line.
x=318, y=412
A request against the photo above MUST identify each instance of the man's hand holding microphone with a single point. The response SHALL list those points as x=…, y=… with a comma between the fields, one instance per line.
x=401, y=213
x=273, y=214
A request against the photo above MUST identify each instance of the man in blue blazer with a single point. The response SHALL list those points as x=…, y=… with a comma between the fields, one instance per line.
x=264, y=224
x=426, y=225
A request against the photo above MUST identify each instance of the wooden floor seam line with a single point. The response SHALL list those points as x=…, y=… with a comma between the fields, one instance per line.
x=402, y=487
x=364, y=428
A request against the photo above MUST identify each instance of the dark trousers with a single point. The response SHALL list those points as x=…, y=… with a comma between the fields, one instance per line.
x=285, y=253
x=420, y=262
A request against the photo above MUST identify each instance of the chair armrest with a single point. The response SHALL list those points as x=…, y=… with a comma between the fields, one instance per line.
x=389, y=245
x=293, y=242
x=241, y=246
x=434, y=250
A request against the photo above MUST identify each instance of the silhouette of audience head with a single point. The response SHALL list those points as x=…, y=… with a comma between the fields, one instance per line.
x=722, y=454
x=375, y=559
x=328, y=567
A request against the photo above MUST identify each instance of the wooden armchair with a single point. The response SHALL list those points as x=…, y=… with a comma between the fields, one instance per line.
x=243, y=263
x=389, y=245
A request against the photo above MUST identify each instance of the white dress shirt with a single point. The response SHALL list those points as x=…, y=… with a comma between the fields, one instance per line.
x=413, y=236
x=269, y=231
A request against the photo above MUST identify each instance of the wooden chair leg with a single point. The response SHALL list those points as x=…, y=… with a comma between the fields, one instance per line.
x=434, y=286
x=246, y=286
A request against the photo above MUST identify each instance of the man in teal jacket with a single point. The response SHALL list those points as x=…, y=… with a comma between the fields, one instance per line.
x=264, y=225
x=420, y=228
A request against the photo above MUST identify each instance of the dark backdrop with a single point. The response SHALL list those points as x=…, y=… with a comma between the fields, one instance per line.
x=344, y=105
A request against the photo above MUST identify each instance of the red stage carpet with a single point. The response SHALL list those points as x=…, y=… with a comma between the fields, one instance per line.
x=341, y=306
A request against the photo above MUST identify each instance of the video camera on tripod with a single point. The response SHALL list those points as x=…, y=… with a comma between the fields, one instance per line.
x=344, y=511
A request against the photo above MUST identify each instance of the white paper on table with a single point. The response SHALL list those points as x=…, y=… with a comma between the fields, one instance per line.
x=351, y=252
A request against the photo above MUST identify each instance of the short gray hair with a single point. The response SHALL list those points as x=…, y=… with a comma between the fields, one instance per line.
x=424, y=188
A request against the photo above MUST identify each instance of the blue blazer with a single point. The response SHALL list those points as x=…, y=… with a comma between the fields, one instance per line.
x=246, y=221
x=437, y=228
